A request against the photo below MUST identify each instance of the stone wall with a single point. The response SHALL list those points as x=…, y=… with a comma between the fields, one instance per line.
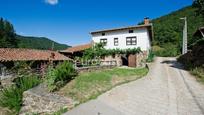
x=137, y=60
x=7, y=82
x=38, y=100
x=115, y=60
x=141, y=59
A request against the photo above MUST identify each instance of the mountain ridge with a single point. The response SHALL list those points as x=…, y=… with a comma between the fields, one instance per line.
x=39, y=43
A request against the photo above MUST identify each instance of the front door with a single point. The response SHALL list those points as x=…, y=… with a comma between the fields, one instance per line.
x=132, y=60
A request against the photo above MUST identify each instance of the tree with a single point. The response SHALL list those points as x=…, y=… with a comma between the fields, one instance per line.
x=199, y=4
x=7, y=34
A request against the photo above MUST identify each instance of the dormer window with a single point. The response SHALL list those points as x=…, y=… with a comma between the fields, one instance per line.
x=131, y=31
x=103, y=34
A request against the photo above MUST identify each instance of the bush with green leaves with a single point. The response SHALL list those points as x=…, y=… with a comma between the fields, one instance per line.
x=11, y=97
x=57, y=77
x=27, y=82
x=98, y=50
x=150, y=57
x=168, y=50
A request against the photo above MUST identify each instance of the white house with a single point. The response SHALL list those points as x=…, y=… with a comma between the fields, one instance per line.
x=126, y=37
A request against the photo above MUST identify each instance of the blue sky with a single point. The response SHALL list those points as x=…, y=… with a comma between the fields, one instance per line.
x=70, y=21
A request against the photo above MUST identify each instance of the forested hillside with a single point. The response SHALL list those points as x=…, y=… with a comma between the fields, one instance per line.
x=9, y=39
x=38, y=43
x=168, y=31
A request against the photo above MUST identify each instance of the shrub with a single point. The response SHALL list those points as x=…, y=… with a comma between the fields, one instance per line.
x=57, y=77
x=22, y=67
x=199, y=73
x=98, y=50
x=168, y=50
x=186, y=60
x=193, y=60
x=65, y=71
x=11, y=97
x=27, y=82
x=150, y=57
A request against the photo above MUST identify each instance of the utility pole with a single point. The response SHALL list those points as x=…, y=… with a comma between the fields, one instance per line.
x=184, y=48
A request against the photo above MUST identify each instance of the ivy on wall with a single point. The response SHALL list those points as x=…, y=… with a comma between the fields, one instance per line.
x=98, y=50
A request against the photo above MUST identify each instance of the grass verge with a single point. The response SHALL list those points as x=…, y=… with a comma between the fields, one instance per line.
x=198, y=72
x=89, y=85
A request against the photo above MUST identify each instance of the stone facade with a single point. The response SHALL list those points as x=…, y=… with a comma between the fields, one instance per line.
x=141, y=59
x=38, y=100
x=137, y=60
x=112, y=60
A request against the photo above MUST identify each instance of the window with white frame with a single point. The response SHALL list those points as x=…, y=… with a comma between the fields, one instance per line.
x=104, y=41
x=116, y=42
x=131, y=40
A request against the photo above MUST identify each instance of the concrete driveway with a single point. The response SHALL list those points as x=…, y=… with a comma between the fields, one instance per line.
x=166, y=90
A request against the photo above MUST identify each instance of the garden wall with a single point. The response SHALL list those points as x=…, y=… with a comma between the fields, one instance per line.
x=38, y=100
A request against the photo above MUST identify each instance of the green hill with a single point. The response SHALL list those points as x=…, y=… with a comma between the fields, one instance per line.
x=168, y=31
x=9, y=39
x=38, y=43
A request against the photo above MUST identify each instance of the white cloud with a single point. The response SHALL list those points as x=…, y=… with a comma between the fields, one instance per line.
x=52, y=2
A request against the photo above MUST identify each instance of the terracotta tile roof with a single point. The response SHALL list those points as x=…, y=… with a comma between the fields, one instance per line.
x=15, y=54
x=77, y=48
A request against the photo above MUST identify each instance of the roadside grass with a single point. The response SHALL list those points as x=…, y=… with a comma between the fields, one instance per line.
x=88, y=86
x=5, y=110
x=198, y=72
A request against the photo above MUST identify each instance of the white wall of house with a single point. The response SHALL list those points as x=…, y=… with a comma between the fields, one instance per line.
x=142, y=36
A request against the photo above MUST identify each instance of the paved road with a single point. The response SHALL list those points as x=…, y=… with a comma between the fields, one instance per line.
x=166, y=90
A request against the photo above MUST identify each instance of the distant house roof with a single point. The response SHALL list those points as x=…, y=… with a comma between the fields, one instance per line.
x=77, y=48
x=123, y=28
x=200, y=32
x=19, y=54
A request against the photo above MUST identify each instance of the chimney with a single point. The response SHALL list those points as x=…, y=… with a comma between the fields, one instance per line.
x=146, y=21
x=52, y=55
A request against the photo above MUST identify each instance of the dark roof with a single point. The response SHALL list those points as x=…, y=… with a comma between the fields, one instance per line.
x=123, y=28
x=77, y=48
x=19, y=54
x=199, y=32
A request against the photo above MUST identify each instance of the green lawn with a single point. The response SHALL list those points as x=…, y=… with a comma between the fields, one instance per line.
x=89, y=85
